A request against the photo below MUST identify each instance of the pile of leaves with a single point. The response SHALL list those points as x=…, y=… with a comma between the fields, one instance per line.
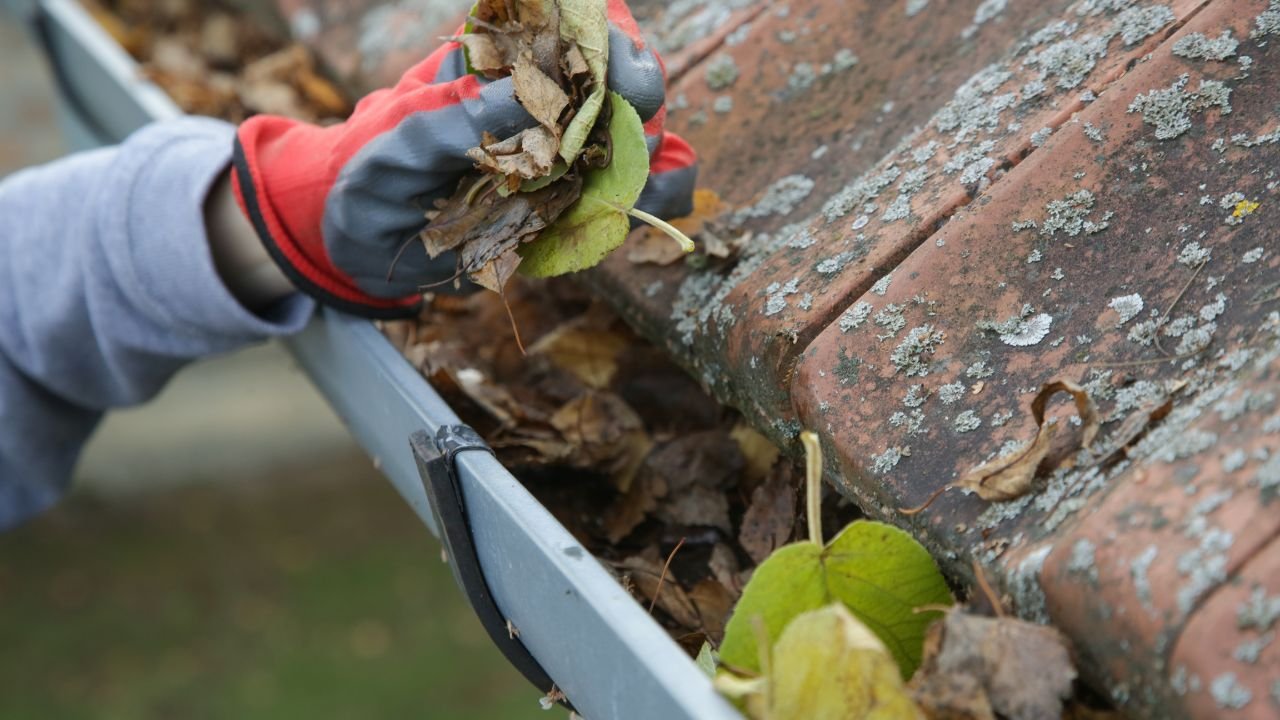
x=555, y=198
x=653, y=476
x=214, y=61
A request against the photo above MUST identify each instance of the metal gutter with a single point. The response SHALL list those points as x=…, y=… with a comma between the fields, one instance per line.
x=603, y=650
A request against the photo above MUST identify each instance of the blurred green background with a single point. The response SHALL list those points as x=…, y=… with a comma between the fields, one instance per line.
x=228, y=551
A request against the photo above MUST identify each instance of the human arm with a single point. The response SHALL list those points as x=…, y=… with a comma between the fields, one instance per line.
x=107, y=288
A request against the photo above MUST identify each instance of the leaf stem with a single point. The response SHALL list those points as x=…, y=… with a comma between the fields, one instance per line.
x=813, y=485
x=671, y=230
x=685, y=243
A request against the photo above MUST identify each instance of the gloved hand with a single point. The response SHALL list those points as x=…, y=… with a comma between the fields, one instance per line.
x=335, y=205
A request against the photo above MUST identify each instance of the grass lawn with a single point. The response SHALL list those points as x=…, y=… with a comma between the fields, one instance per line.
x=322, y=598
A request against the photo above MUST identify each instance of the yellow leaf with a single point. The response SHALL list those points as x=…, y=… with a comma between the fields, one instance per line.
x=826, y=666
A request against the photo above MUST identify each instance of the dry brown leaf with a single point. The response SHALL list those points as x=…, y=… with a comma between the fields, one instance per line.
x=724, y=568
x=539, y=94
x=220, y=39
x=134, y=38
x=486, y=225
x=1011, y=477
x=628, y=511
x=709, y=459
x=1134, y=427
x=697, y=506
x=574, y=63
x=1022, y=670
x=606, y=434
x=596, y=419
x=494, y=275
x=714, y=603
x=322, y=93
x=654, y=249
x=653, y=246
x=645, y=571
x=761, y=454
x=529, y=154
x=590, y=354
x=483, y=53
x=771, y=517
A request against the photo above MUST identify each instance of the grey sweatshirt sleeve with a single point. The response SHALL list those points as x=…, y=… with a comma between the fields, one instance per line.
x=107, y=288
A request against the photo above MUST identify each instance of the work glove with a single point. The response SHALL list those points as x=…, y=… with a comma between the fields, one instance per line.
x=336, y=206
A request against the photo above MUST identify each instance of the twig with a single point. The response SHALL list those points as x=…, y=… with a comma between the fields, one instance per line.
x=399, y=254
x=987, y=589
x=813, y=485
x=1167, y=313
x=514, y=328
x=927, y=503
x=663, y=577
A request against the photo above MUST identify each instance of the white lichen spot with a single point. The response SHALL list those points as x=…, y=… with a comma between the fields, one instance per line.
x=951, y=392
x=1138, y=23
x=777, y=294
x=1268, y=23
x=1198, y=46
x=1094, y=133
x=914, y=7
x=1024, y=585
x=1210, y=311
x=915, y=397
x=909, y=356
x=781, y=198
x=1253, y=255
x=1250, y=650
x=882, y=285
x=1138, y=569
x=1193, y=255
x=966, y=421
x=891, y=319
x=1070, y=216
x=855, y=316
x=802, y=77
x=1229, y=693
x=1169, y=109
x=1039, y=137
x=886, y=461
x=844, y=60
x=1127, y=306
x=1070, y=60
x=1205, y=567
x=1234, y=460
x=1259, y=612
x=1029, y=332
x=1082, y=561
x=721, y=72
x=723, y=104
x=978, y=371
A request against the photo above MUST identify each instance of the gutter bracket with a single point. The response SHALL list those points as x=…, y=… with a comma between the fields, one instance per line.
x=437, y=464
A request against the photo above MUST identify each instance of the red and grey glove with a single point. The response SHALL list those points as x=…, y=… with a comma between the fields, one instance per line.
x=334, y=205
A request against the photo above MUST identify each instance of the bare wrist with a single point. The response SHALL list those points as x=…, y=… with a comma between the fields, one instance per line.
x=239, y=256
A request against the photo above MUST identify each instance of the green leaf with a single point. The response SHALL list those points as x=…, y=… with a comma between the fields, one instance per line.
x=878, y=571
x=575, y=135
x=586, y=23
x=597, y=224
x=707, y=659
